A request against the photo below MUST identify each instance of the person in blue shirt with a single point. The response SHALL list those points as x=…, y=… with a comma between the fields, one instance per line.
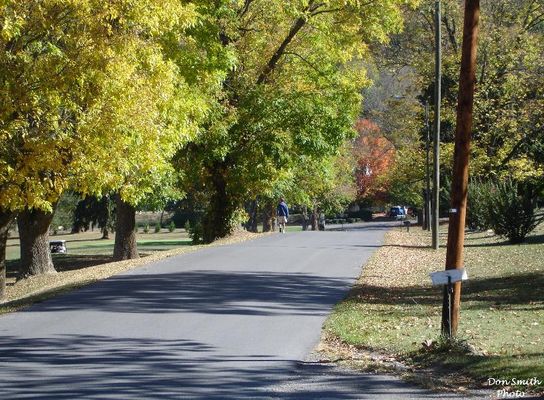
x=282, y=213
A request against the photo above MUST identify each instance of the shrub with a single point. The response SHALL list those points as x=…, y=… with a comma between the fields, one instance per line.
x=171, y=227
x=512, y=210
x=146, y=228
x=157, y=227
x=195, y=231
x=480, y=203
x=365, y=215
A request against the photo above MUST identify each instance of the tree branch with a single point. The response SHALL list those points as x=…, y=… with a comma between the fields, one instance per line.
x=245, y=8
x=295, y=28
x=306, y=62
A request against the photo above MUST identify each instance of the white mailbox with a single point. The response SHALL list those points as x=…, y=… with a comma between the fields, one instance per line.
x=448, y=276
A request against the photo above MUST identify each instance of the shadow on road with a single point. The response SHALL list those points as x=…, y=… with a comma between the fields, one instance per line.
x=99, y=367
x=209, y=292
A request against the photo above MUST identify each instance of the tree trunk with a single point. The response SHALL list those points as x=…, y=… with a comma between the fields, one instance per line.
x=5, y=219
x=105, y=233
x=34, y=237
x=252, y=223
x=314, y=219
x=217, y=221
x=267, y=220
x=253, y=226
x=125, y=236
x=304, y=218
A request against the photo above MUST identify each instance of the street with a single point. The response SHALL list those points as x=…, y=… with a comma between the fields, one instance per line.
x=236, y=321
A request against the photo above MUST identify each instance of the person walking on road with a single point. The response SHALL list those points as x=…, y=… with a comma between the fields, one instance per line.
x=282, y=213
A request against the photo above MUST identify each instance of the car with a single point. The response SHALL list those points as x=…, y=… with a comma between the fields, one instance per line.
x=397, y=212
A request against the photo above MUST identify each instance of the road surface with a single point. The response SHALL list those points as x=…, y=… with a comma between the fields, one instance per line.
x=227, y=322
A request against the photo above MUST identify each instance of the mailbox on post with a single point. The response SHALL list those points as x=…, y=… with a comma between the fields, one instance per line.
x=448, y=278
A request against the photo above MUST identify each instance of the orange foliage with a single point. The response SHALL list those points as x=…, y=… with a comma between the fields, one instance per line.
x=375, y=155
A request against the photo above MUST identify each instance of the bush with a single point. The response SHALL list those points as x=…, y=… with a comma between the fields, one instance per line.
x=480, y=203
x=513, y=210
x=157, y=227
x=181, y=217
x=171, y=227
x=195, y=231
x=146, y=228
x=365, y=215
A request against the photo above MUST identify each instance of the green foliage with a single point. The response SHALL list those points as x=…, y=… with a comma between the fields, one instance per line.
x=94, y=211
x=195, y=231
x=171, y=227
x=146, y=228
x=288, y=106
x=64, y=211
x=513, y=210
x=365, y=215
x=157, y=227
x=509, y=99
x=480, y=204
x=406, y=178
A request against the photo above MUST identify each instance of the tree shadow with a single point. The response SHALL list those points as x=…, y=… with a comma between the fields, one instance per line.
x=362, y=226
x=100, y=367
x=532, y=239
x=62, y=262
x=161, y=243
x=209, y=292
x=480, y=292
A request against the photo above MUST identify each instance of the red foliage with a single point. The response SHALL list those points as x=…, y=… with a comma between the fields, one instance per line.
x=375, y=155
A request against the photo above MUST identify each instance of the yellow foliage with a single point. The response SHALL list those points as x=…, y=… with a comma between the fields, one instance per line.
x=89, y=100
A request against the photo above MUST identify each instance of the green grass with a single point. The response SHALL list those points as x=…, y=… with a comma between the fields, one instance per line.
x=88, y=249
x=90, y=243
x=394, y=308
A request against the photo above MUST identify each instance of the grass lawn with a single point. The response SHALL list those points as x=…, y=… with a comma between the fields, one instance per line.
x=87, y=249
x=393, y=309
x=90, y=243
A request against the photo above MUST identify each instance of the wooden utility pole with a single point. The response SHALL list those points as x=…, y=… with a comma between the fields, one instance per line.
x=459, y=186
x=427, y=170
x=436, y=138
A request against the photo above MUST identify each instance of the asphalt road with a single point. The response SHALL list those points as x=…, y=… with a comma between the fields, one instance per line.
x=229, y=322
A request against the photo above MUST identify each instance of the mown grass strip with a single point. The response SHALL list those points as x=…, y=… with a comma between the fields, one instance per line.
x=394, y=310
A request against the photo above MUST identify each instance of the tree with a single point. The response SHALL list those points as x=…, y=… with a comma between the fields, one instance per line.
x=375, y=155
x=94, y=99
x=294, y=93
x=5, y=220
x=64, y=212
x=508, y=117
x=93, y=211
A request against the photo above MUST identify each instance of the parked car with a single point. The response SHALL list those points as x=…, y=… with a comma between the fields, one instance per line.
x=397, y=212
